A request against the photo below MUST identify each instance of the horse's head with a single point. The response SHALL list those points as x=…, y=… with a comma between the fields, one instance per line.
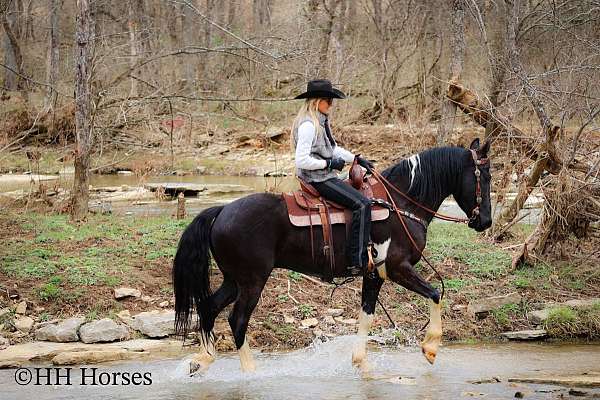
x=473, y=191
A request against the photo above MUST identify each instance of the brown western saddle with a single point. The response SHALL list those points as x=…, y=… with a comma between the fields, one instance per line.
x=306, y=207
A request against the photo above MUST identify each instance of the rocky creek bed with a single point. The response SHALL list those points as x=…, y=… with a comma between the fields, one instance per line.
x=100, y=281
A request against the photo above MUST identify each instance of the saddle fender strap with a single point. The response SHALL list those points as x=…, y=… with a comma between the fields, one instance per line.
x=312, y=245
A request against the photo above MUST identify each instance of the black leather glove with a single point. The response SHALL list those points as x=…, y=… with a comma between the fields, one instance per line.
x=363, y=162
x=335, y=163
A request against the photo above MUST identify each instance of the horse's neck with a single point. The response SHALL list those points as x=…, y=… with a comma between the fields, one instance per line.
x=403, y=183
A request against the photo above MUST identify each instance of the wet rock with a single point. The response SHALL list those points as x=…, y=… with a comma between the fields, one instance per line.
x=104, y=330
x=155, y=324
x=519, y=395
x=89, y=357
x=493, y=379
x=335, y=312
x=309, y=322
x=9, y=364
x=560, y=380
x=23, y=324
x=485, y=305
x=65, y=331
x=530, y=334
x=124, y=292
x=4, y=343
x=575, y=392
x=21, y=308
x=19, y=354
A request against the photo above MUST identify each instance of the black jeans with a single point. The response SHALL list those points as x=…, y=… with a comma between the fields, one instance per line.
x=335, y=190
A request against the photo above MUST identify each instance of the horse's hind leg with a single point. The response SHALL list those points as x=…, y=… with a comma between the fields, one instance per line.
x=209, y=312
x=239, y=318
x=370, y=291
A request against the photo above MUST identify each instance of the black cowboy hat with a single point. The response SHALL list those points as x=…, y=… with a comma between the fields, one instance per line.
x=321, y=88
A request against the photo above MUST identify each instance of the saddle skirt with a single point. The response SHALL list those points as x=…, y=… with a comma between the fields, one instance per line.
x=303, y=205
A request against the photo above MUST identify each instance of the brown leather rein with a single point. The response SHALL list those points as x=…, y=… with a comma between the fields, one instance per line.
x=474, y=213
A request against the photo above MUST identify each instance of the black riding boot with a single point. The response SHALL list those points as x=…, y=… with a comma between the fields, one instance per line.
x=336, y=190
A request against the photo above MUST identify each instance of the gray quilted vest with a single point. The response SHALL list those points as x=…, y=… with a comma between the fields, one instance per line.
x=321, y=149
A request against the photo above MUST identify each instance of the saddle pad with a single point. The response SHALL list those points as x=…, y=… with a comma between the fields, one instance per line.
x=298, y=212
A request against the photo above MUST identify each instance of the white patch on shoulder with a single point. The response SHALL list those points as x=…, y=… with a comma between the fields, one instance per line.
x=415, y=163
x=382, y=249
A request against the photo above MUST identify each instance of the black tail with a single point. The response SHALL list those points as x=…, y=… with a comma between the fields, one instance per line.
x=191, y=267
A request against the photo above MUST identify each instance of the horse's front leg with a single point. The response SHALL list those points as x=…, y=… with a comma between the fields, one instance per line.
x=404, y=274
x=370, y=290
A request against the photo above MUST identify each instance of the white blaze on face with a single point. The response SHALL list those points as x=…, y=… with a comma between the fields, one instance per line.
x=415, y=163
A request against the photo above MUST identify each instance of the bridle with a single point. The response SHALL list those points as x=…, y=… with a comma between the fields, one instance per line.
x=479, y=162
x=478, y=199
x=474, y=213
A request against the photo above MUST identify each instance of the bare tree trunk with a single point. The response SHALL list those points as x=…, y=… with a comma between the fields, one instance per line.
x=338, y=36
x=203, y=65
x=133, y=45
x=84, y=49
x=53, y=53
x=327, y=30
x=456, y=65
x=548, y=157
x=261, y=11
x=187, y=37
x=231, y=6
x=12, y=50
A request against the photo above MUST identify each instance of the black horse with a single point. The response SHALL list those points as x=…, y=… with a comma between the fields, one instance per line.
x=251, y=236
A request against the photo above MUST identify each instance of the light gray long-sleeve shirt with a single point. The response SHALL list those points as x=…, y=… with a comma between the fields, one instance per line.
x=306, y=135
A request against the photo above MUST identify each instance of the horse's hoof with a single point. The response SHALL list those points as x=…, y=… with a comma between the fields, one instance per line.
x=200, y=364
x=249, y=368
x=429, y=355
x=430, y=346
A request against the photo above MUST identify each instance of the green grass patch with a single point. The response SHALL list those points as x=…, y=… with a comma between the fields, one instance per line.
x=506, y=313
x=567, y=322
x=455, y=241
x=295, y=276
x=51, y=290
x=306, y=310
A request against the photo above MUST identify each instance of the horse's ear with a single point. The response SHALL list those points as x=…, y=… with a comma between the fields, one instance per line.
x=474, y=144
x=483, y=151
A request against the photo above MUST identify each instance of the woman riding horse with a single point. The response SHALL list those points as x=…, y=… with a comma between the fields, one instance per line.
x=253, y=235
x=318, y=156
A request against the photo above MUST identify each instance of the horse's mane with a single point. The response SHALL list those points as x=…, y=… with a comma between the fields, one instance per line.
x=436, y=171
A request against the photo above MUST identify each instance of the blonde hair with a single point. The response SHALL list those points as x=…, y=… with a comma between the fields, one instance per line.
x=310, y=109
